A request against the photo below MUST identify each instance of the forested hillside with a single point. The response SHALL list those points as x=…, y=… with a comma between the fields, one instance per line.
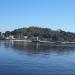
x=42, y=33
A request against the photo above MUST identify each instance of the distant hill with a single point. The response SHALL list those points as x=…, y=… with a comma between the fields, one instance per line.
x=42, y=33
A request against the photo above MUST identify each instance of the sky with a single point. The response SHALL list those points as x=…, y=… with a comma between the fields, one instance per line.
x=54, y=14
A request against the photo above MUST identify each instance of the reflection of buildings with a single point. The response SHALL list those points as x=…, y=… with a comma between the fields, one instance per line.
x=37, y=48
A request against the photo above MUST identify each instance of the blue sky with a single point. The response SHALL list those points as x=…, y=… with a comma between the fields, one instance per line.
x=55, y=14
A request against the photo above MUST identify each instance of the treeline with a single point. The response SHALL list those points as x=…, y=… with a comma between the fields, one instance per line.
x=42, y=33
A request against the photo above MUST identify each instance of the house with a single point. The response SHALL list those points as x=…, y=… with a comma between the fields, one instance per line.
x=35, y=39
x=25, y=37
x=11, y=37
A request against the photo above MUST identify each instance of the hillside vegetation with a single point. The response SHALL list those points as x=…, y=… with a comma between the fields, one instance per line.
x=42, y=33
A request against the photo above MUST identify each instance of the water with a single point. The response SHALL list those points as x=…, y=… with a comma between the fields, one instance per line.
x=21, y=58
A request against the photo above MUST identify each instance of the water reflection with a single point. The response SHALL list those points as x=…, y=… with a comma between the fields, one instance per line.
x=36, y=48
x=45, y=59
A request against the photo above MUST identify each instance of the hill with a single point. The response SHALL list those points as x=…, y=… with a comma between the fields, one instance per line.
x=42, y=33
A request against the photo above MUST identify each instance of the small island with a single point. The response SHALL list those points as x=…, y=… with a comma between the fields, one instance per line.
x=38, y=34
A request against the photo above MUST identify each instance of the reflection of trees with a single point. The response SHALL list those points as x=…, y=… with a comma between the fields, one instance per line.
x=39, y=47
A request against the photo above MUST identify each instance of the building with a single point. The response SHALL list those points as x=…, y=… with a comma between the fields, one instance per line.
x=35, y=39
x=11, y=37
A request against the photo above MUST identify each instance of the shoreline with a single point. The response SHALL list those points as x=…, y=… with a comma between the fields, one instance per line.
x=45, y=42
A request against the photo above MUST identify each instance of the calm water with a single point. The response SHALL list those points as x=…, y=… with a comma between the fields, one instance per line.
x=20, y=58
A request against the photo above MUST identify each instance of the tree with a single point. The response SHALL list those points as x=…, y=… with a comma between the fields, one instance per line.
x=7, y=33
